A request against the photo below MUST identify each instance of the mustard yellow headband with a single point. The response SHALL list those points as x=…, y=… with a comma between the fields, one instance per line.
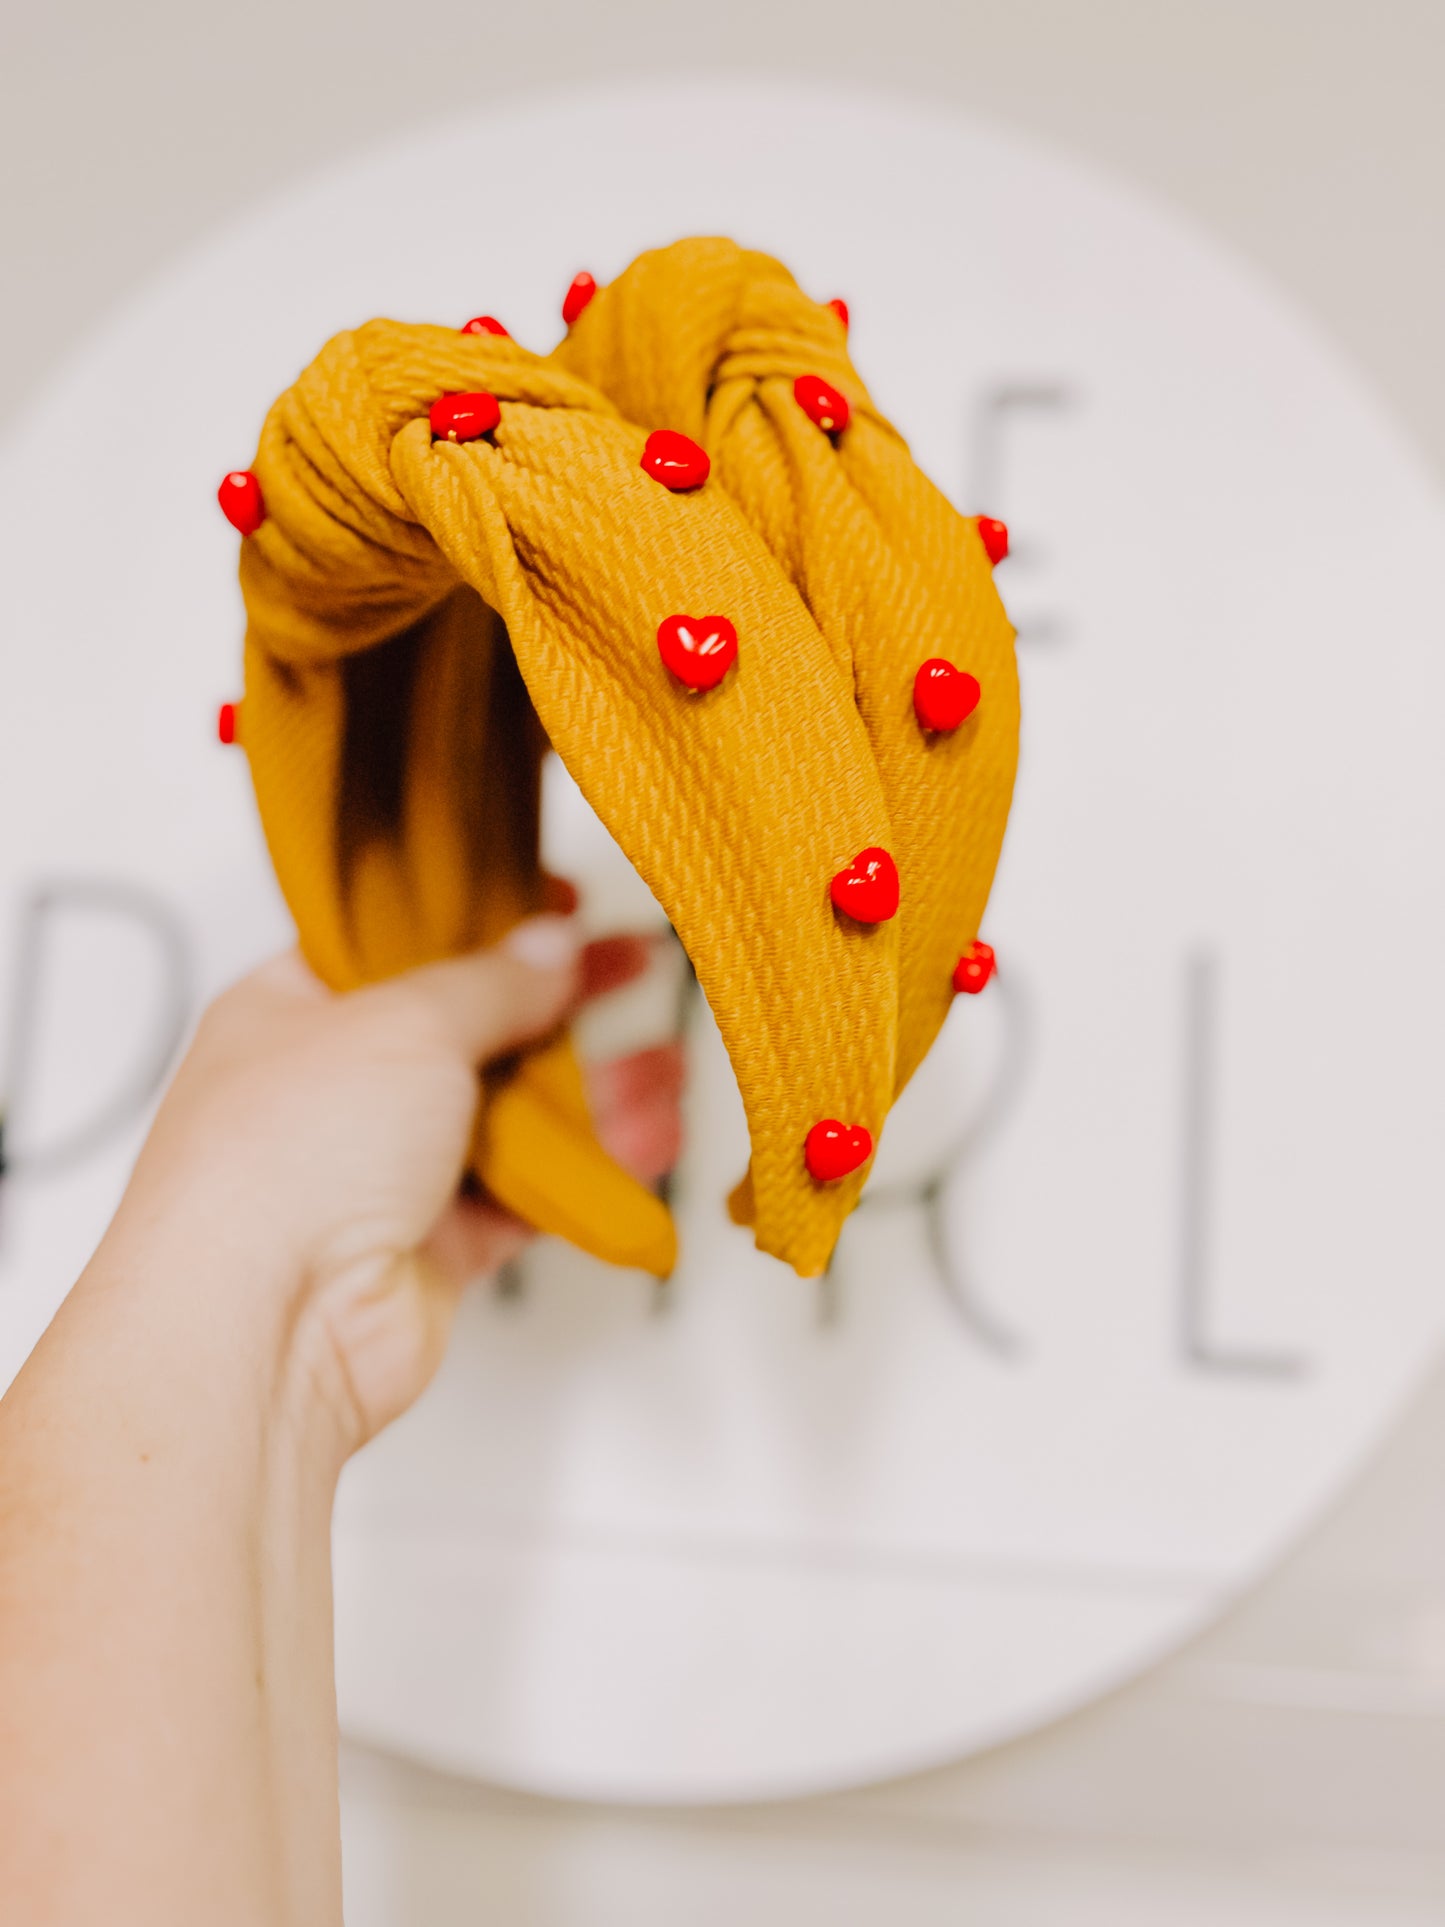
x=686, y=551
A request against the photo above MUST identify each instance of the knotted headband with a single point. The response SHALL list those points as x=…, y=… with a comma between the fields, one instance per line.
x=784, y=681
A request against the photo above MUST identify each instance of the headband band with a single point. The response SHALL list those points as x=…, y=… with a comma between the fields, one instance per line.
x=768, y=650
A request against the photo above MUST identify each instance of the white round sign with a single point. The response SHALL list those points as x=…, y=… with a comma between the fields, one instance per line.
x=1150, y=1255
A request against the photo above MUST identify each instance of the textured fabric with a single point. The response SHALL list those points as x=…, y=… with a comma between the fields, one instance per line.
x=425, y=617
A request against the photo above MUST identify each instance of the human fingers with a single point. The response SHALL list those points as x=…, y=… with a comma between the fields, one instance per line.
x=638, y=1115
x=605, y=964
x=643, y=1076
x=288, y=975
x=610, y=962
x=559, y=895
x=490, y=1001
x=475, y=1236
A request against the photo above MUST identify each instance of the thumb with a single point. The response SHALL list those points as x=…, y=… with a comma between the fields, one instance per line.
x=490, y=1001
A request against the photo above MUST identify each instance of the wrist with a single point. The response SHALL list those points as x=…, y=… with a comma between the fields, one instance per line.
x=221, y=1318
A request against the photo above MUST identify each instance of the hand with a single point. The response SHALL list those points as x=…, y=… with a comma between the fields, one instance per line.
x=322, y=1139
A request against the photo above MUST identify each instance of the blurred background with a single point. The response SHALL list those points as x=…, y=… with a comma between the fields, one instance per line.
x=1288, y=1764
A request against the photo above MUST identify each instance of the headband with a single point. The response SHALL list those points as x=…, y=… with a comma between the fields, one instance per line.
x=686, y=552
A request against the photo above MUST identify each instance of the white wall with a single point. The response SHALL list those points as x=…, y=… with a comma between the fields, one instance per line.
x=1288, y=1769
x=1307, y=131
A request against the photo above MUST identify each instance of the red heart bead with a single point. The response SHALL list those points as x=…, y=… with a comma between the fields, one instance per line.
x=994, y=536
x=943, y=696
x=867, y=890
x=699, y=650
x=840, y=308
x=675, y=460
x=822, y=403
x=228, y=723
x=831, y=1150
x=973, y=969
x=583, y=287
x=484, y=324
x=463, y=418
x=241, y=501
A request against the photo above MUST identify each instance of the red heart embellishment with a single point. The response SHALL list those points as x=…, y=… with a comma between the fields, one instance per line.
x=464, y=418
x=832, y=1150
x=241, y=500
x=994, y=536
x=484, y=324
x=578, y=295
x=974, y=968
x=699, y=650
x=675, y=460
x=944, y=696
x=822, y=403
x=867, y=891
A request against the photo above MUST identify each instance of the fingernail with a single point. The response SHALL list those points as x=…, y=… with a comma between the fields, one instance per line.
x=546, y=943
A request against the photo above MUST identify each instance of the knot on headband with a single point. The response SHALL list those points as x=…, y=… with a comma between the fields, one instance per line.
x=786, y=686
